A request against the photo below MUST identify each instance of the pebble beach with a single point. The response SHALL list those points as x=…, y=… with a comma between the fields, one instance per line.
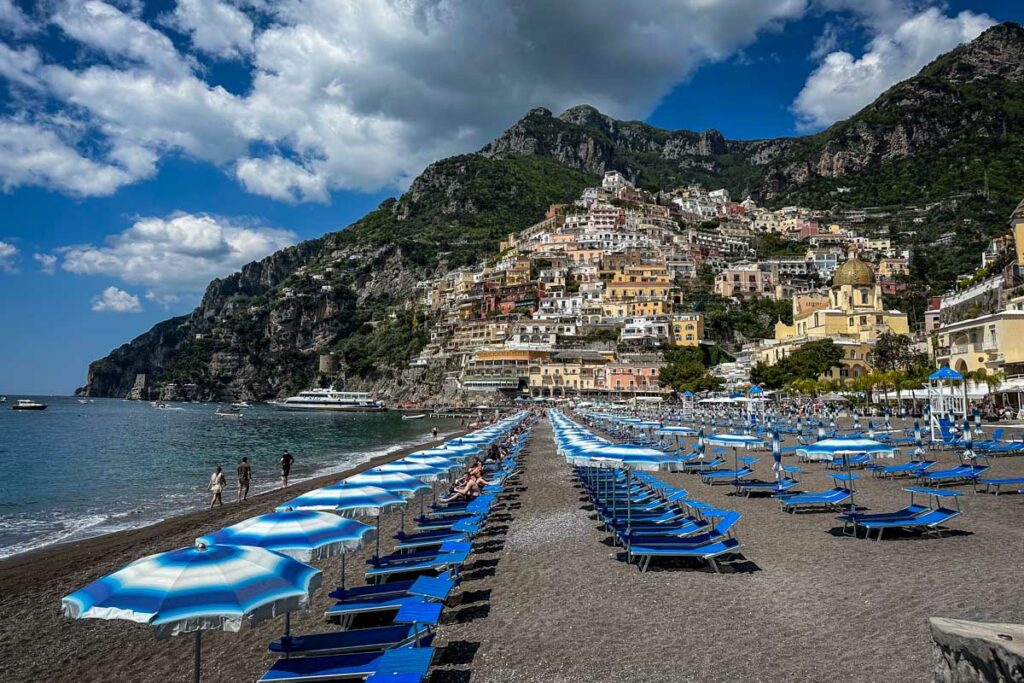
x=546, y=597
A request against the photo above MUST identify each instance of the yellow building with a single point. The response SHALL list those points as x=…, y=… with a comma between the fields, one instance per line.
x=569, y=372
x=640, y=282
x=994, y=342
x=687, y=329
x=501, y=369
x=855, y=310
x=854, y=318
x=646, y=309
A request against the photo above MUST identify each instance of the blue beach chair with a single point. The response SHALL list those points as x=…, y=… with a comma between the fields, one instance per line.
x=411, y=663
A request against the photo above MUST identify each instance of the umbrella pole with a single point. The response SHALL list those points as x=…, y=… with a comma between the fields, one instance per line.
x=376, y=553
x=343, y=572
x=196, y=668
x=629, y=521
x=287, y=634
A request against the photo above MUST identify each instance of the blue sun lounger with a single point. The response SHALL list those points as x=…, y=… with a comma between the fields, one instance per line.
x=994, y=485
x=363, y=601
x=419, y=563
x=723, y=528
x=702, y=465
x=960, y=474
x=773, y=487
x=461, y=530
x=791, y=502
x=914, y=468
x=708, y=552
x=408, y=663
x=358, y=640
x=930, y=520
x=725, y=476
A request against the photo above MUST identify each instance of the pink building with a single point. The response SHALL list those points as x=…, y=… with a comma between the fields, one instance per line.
x=744, y=283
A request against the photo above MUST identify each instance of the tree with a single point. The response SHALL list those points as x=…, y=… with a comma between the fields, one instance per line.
x=893, y=352
x=810, y=361
x=684, y=370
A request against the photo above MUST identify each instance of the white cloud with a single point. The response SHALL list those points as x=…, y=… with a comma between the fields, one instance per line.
x=8, y=253
x=215, y=27
x=13, y=19
x=34, y=155
x=281, y=179
x=114, y=300
x=179, y=254
x=47, y=263
x=360, y=95
x=120, y=36
x=843, y=84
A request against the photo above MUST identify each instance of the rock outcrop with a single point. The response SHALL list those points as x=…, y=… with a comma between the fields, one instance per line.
x=974, y=652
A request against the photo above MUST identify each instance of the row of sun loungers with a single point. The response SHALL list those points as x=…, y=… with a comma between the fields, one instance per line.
x=404, y=598
x=648, y=517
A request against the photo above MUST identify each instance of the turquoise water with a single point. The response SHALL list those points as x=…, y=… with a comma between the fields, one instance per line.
x=74, y=471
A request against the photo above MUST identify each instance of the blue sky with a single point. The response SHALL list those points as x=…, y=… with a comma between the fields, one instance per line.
x=148, y=147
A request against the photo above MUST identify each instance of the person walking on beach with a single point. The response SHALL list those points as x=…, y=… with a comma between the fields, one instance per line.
x=216, y=486
x=244, y=479
x=433, y=431
x=286, y=466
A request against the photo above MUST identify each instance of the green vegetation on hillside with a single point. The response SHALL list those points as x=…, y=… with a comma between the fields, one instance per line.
x=461, y=207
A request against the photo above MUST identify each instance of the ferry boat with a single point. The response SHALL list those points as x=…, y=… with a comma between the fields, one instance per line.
x=330, y=399
x=27, y=404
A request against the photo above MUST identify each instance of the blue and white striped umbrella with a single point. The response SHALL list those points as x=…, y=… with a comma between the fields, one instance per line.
x=303, y=534
x=918, y=440
x=434, y=461
x=821, y=431
x=394, y=482
x=968, y=443
x=421, y=471
x=827, y=449
x=871, y=429
x=199, y=588
x=734, y=440
x=458, y=456
x=345, y=499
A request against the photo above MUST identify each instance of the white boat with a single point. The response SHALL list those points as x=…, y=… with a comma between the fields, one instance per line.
x=414, y=417
x=228, y=412
x=241, y=404
x=329, y=399
x=27, y=404
x=3, y=399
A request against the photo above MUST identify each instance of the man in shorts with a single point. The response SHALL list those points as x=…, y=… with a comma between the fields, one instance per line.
x=244, y=478
x=286, y=467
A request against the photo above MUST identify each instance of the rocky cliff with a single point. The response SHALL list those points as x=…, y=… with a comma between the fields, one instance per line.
x=954, y=130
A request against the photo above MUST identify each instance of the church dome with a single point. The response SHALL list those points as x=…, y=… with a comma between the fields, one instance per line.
x=854, y=272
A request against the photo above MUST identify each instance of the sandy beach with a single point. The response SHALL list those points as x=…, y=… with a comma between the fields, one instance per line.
x=546, y=597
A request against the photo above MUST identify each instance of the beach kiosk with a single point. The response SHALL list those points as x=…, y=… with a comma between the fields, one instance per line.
x=944, y=400
x=687, y=408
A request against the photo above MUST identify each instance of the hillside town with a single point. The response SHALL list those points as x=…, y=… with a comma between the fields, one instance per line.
x=587, y=302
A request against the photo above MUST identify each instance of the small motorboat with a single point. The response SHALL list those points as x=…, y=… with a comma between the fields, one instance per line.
x=241, y=404
x=3, y=399
x=414, y=417
x=228, y=412
x=27, y=404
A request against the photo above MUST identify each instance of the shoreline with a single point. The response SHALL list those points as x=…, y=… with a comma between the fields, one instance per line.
x=25, y=567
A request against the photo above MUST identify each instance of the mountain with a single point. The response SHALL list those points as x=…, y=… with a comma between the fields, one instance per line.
x=952, y=136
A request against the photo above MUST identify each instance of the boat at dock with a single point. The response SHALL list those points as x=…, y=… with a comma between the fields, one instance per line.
x=28, y=404
x=330, y=399
x=414, y=417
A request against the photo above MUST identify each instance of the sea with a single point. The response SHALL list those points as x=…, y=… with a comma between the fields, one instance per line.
x=77, y=470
